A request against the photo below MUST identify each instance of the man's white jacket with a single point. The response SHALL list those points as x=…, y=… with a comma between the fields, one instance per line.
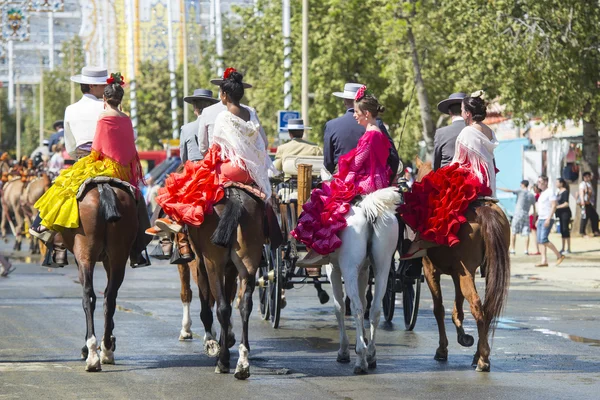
x=80, y=122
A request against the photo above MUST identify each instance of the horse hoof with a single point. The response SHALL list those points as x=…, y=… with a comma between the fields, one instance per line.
x=440, y=357
x=221, y=369
x=475, y=360
x=373, y=364
x=343, y=358
x=93, y=366
x=359, y=371
x=466, y=340
x=107, y=358
x=84, y=353
x=183, y=336
x=323, y=297
x=242, y=373
x=212, y=348
x=482, y=367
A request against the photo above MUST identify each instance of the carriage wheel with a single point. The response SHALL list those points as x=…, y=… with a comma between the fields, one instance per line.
x=263, y=296
x=275, y=287
x=411, y=294
x=389, y=298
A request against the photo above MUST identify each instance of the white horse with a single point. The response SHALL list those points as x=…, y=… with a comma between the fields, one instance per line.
x=369, y=239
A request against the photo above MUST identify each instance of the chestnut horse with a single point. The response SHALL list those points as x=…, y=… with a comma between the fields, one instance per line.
x=31, y=194
x=484, y=242
x=230, y=243
x=107, y=229
x=11, y=204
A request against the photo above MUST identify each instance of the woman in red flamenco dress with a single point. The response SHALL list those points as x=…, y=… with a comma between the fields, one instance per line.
x=436, y=206
x=363, y=170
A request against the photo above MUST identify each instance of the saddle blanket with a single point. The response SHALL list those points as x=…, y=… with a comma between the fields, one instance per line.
x=99, y=180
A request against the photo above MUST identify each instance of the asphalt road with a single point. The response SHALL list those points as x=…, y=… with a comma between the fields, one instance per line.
x=546, y=347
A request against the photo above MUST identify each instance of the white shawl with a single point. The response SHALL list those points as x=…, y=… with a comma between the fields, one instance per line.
x=242, y=144
x=475, y=149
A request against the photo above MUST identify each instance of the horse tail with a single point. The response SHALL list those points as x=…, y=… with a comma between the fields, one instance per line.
x=497, y=263
x=230, y=218
x=108, y=203
x=380, y=203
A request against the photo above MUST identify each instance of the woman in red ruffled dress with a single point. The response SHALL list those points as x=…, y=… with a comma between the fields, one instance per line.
x=436, y=206
x=238, y=153
x=360, y=171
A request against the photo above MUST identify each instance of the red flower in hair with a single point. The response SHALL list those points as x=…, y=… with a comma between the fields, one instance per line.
x=116, y=78
x=110, y=80
x=360, y=93
x=228, y=72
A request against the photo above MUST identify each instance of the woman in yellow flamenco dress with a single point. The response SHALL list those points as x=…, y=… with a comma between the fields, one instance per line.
x=113, y=154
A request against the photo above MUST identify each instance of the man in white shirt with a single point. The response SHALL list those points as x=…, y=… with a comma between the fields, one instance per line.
x=546, y=207
x=586, y=201
x=81, y=117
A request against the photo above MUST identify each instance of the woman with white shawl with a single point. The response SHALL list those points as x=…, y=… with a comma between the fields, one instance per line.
x=238, y=154
x=436, y=206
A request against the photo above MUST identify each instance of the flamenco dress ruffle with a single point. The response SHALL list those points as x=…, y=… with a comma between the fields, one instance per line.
x=58, y=207
x=436, y=206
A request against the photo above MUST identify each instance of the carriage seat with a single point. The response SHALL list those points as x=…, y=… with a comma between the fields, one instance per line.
x=100, y=180
x=290, y=169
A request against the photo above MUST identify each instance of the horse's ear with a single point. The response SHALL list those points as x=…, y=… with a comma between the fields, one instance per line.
x=418, y=162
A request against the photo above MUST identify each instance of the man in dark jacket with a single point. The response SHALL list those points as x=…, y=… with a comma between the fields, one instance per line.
x=342, y=134
x=445, y=138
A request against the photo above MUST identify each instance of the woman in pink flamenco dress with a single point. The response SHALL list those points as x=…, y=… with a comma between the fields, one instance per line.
x=361, y=171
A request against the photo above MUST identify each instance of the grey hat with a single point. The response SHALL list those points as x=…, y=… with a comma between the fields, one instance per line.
x=201, y=94
x=296, y=125
x=91, y=76
x=349, y=92
x=454, y=98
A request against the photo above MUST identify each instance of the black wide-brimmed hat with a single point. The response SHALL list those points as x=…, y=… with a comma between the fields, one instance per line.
x=454, y=98
x=201, y=94
x=228, y=71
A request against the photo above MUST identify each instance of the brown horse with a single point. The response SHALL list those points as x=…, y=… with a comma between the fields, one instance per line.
x=230, y=242
x=484, y=242
x=11, y=204
x=108, y=223
x=31, y=194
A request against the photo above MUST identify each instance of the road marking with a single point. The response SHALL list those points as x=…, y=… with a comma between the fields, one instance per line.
x=29, y=367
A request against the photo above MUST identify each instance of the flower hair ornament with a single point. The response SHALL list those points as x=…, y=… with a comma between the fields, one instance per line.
x=116, y=78
x=228, y=72
x=362, y=92
x=479, y=93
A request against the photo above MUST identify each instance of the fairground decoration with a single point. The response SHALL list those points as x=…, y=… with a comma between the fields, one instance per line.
x=15, y=22
x=46, y=5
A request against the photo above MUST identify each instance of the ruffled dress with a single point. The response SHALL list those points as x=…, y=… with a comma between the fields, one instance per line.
x=113, y=154
x=361, y=171
x=437, y=204
x=238, y=154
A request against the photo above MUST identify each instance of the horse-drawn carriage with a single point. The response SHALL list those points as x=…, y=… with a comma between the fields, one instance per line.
x=279, y=272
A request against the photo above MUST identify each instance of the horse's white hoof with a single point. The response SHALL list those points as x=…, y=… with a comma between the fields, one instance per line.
x=183, y=335
x=242, y=372
x=92, y=364
x=212, y=348
x=107, y=358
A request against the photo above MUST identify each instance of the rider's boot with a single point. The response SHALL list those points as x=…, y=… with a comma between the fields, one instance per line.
x=59, y=252
x=138, y=259
x=183, y=247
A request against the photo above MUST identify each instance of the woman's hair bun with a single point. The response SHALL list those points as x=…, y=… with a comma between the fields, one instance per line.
x=236, y=77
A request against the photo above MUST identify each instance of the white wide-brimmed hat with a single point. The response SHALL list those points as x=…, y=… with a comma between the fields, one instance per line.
x=91, y=76
x=296, y=125
x=349, y=92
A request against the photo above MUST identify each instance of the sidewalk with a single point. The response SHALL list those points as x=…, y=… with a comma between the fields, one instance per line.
x=580, y=268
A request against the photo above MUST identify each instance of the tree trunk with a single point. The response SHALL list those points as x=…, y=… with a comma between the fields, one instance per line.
x=426, y=120
x=590, y=150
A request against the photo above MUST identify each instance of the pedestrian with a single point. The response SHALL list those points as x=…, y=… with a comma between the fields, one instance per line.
x=563, y=213
x=533, y=220
x=445, y=138
x=586, y=201
x=546, y=208
x=296, y=146
x=520, y=221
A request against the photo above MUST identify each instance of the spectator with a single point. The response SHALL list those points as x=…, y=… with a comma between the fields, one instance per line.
x=546, y=209
x=586, y=201
x=57, y=136
x=520, y=221
x=533, y=221
x=563, y=213
x=57, y=162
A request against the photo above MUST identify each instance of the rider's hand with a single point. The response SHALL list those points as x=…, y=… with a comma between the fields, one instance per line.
x=547, y=223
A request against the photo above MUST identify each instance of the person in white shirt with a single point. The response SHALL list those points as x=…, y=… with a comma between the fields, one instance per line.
x=546, y=207
x=81, y=117
x=586, y=201
x=57, y=162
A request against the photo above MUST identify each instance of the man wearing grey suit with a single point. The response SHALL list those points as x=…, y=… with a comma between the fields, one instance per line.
x=445, y=138
x=188, y=140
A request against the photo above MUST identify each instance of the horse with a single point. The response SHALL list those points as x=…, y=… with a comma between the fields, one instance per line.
x=108, y=224
x=230, y=243
x=31, y=194
x=484, y=242
x=11, y=203
x=370, y=238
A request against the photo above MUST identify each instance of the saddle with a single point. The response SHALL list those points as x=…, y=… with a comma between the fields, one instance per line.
x=105, y=180
x=252, y=190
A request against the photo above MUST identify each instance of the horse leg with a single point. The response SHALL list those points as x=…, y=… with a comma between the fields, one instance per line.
x=115, y=272
x=211, y=347
x=467, y=286
x=186, y=299
x=321, y=293
x=19, y=227
x=335, y=277
x=86, y=277
x=458, y=315
x=351, y=282
x=232, y=294
x=432, y=275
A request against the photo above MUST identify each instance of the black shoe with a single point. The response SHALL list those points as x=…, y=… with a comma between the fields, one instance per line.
x=139, y=260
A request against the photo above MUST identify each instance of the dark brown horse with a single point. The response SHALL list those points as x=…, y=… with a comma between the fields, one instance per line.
x=230, y=242
x=484, y=242
x=107, y=229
